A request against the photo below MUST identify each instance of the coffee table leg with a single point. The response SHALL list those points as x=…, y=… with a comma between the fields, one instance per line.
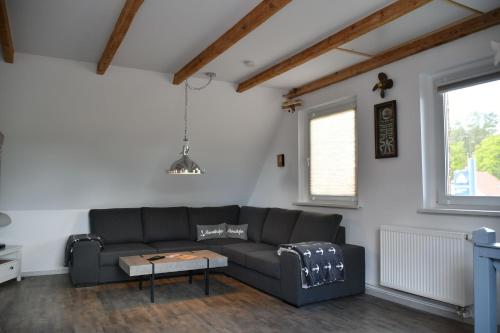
x=152, y=283
x=140, y=284
x=190, y=277
x=207, y=282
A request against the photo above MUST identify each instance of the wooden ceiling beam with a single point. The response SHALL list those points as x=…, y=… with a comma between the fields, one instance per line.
x=5, y=34
x=439, y=37
x=261, y=13
x=119, y=31
x=353, y=31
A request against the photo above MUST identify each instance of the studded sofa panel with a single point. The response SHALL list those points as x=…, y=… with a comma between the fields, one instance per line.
x=135, y=231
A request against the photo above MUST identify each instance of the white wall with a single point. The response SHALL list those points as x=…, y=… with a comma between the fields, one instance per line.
x=76, y=140
x=390, y=190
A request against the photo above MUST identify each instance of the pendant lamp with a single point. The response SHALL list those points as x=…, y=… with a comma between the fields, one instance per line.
x=185, y=165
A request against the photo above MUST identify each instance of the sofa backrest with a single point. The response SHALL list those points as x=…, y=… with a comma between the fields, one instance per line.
x=255, y=218
x=117, y=225
x=340, y=238
x=279, y=225
x=212, y=215
x=164, y=224
x=269, y=225
x=316, y=227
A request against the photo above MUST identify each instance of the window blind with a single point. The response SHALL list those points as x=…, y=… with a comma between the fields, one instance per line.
x=333, y=154
x=469, y=82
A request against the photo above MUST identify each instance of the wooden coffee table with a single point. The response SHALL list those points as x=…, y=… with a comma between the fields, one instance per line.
x=173, y=262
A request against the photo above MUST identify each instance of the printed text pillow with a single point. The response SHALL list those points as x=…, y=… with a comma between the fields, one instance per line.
x=237, y=231
x=204, y=232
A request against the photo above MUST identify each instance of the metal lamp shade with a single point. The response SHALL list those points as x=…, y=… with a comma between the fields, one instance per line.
x=185, y=166
x=4, y=220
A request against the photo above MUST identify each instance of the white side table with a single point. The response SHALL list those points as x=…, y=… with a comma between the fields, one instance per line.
x=10, y=263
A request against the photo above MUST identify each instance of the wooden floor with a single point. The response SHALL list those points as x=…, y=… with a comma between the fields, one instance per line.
x=51, y=304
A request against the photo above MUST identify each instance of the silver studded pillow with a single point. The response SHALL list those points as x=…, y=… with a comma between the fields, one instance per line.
x=237, y=231
x=204, y=232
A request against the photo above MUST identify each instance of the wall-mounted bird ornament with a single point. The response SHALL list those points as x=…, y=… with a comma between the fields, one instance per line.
x=291, y=104
x=496, y=49
x=383, y=84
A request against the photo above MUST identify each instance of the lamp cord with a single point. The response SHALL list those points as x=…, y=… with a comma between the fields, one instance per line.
x=186, y=87
x=186, y=111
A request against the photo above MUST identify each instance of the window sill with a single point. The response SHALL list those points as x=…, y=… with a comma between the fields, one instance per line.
x=328, y=204
x=454, y=211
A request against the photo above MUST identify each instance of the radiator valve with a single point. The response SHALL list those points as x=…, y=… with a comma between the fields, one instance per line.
x=464, y=312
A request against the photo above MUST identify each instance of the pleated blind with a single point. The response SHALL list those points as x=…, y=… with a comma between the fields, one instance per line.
x=333, y=154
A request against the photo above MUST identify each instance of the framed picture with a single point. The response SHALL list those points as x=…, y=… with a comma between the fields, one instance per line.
x=386, y=132
x=280, y=160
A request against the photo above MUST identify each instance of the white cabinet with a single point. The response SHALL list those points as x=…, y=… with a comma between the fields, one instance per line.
x=10, y=263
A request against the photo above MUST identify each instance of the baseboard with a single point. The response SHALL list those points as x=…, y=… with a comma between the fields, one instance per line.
x=63, y=270
x=415, y=302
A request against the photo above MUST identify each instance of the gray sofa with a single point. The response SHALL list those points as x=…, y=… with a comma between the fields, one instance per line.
x=133, y=231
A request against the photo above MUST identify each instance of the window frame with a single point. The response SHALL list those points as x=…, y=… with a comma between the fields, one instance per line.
x=434, y=140
x=305, y=196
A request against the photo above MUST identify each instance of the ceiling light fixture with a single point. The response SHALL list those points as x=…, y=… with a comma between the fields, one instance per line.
x=185, y=165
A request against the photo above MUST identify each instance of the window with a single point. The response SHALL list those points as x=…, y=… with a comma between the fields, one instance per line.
x=328, y=154
x=471, y=114
x=461, y=139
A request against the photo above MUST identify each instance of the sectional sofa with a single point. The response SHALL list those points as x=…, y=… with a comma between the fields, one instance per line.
x=134, y=231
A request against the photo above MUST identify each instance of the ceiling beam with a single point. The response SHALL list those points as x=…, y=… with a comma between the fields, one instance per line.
x=261, y=13
x=5, y=34
x=439, y=37
x=119, y=31
x=351, y=32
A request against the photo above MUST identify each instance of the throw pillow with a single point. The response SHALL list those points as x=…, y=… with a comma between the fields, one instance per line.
x=237, y=231
x=204, y=232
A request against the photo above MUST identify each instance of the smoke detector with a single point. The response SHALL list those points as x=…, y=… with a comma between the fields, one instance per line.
x=249, y=63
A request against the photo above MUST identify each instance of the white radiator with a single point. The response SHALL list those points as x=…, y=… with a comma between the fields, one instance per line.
x=431, y=263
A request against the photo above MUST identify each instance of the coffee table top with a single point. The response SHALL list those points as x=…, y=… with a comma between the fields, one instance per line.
x=173, y=262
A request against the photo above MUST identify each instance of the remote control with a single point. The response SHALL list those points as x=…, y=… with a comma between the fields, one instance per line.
x=156, y=258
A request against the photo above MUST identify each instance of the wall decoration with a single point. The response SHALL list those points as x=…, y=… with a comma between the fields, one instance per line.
x=383, y=84
x=386, y=143
x=281, y=160
x=291, y=104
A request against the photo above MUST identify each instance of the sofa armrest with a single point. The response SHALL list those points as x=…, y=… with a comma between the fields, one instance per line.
x=84, y=268
x=291, y=280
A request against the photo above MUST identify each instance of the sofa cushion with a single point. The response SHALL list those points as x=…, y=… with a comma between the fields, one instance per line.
x=216, y=245
x=279, y=225
x=170, y=223
x=316, y=227
x=110, y=254
x=255, y=218
x=212, y=215
x=119, y=225
x=265, y=262
x=237, y=252
x=239, y=231
x=214, y=231
x=177, y=246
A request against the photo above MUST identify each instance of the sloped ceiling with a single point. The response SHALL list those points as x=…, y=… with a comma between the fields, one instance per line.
x=167, y=34
x=76, y=140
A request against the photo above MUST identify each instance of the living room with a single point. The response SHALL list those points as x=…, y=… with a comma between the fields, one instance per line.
x=112, y=133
